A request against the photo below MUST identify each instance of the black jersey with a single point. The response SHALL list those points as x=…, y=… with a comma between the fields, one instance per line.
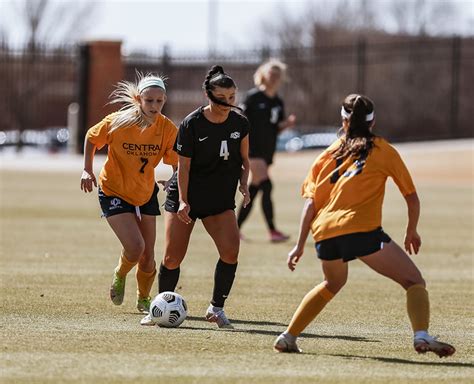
x=264, y=114
x=216, y=161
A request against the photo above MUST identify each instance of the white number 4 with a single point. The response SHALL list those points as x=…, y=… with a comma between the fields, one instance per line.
x=224, y=150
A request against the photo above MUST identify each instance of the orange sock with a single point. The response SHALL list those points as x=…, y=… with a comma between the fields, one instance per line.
x=144, y=282
x=313, y=303
x=418, y=307
x=124, y=266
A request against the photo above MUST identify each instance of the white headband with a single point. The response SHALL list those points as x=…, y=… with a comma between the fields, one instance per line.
x=151, y=82
x=346, y=115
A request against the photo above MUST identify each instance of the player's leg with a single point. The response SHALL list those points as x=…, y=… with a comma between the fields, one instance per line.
x=146, y=268
x=224, y=231
x=266, y=187
x=257, y=174
x=335, y=277
x=125, y=227
x=177, y=235
x=392, y=261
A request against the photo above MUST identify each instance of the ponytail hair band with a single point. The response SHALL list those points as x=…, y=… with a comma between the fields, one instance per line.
x=347, y=115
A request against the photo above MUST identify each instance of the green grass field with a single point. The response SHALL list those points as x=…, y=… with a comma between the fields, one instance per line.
x=59, y=326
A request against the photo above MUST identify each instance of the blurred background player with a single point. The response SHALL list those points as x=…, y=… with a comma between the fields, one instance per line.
x=344, y=191
x=266, y=114
x=138, y=138
x=212, y=145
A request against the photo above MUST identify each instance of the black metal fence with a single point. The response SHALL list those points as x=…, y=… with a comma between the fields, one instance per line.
x=422, y=87
x=36, y=87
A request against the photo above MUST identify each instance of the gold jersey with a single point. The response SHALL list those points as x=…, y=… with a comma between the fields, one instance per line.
x=348, y=195
x=132, y=155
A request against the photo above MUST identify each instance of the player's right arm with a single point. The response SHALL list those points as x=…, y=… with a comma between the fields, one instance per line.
x=184, y=166
x=307, y=217
x=88, y=178
x=96, y=138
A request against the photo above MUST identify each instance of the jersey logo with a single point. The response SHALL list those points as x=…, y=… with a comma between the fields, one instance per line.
x=203, y=138
x=235, y=135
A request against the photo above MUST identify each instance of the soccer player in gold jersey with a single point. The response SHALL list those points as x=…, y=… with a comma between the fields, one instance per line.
x=344, y=193
x=138, y=137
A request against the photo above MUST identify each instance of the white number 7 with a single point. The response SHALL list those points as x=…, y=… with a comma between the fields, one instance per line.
x=224, y=150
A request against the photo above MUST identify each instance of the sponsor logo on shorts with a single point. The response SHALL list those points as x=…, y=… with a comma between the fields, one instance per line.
x=115, y=203
x=235, y=135
x=179, y=146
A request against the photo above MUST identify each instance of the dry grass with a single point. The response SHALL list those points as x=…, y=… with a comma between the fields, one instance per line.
x=58, y=325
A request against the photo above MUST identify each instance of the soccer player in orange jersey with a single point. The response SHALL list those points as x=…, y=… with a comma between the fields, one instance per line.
x=212, y=145
x=138, y=137
x=344, y=193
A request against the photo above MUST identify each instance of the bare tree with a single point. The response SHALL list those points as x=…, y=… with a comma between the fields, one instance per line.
x=53, y=22
x=423, y=17
x=46, y=22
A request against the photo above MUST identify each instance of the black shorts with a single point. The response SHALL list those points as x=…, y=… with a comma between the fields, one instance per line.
x=112, y=205
x=197, y=212
x=349, y=247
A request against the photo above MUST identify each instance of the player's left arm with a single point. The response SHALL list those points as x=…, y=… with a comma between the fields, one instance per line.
x=289, y=122
x=412, y=238
x=397, y=169
x=244, y=175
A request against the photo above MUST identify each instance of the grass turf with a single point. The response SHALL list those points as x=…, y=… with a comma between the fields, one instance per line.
x=58, y=324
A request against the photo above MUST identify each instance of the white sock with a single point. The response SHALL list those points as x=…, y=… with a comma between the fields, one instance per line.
x=215, y=309
x=289, y=337
x=422, y=335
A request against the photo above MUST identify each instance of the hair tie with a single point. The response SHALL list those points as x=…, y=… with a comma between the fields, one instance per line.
x=347, y=115
x=216, y=76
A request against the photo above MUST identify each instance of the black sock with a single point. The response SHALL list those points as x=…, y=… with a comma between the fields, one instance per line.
x=244, y=212
x=267, y=205
x=167, y=279
x=223, y=280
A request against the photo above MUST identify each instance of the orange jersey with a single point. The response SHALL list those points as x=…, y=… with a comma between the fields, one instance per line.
x=133, y=153
x=349, y=199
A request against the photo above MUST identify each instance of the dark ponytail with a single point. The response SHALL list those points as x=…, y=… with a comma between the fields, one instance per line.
x=357, y=140
x=216, y=77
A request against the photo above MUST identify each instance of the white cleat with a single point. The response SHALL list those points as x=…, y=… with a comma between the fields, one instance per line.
x=431, y=344
x=217, y=315
x=282, y=344
x=147, y=320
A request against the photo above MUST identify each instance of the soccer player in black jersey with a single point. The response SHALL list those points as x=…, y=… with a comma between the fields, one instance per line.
x=265, y=111
x=212, y=145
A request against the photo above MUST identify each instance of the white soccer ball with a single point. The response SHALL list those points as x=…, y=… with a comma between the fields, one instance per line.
x=168, y=309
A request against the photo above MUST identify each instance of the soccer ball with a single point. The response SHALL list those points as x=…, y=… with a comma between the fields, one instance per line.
x=168, y=309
